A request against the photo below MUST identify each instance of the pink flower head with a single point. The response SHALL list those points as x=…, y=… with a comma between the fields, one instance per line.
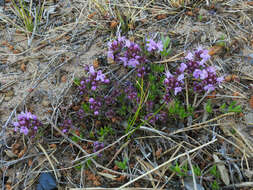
x=203, y=74
x=24, y=130
x=168, y=74
x=91, y=100
x=153, y=46
x=93, y=88
x=180, y=77
x=177, y=90
x=91, y=70
x=197, y=73
x=220, y=79
x=211, y=70
x=100, y=76
x=124, y=60
x=160, y=46
x=209, y=87
x=133, y=62
x=110, y=54
x=190, y=56
x=128, y=43
x=182, y=68
x=205, y=54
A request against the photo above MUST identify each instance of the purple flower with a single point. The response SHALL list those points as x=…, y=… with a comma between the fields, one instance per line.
x=209, y=87
x=131, y=92
x=98, y=146
x=154, y=46
x=168, y=74
x=100, y=76
x=24, y=130
x=182, y=68
x=91, y=100
x=174, y=82
x=177, y=90
x=91, y=70
x=16, y=124
x=180, y=77
x=141, y=71
x=220, y=79
x=128, y=43
x=203, y=75
x=124, y=60
x=197, y=73
x=205, y=55
x=66, y=125
x=211, y=70
x=93, y=88
x=189, y=56
x=133, y=62
x=26, y=122
x=110, y=54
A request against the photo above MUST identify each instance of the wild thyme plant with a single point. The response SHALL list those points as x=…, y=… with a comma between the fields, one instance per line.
x=27, y=123
x=142, y=96
x=202, y=78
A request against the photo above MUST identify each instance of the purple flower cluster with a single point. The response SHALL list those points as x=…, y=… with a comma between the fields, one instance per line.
x=154, y=46
x=95, y=105
x=27, y=122
x=174, y=82
x=204, y=77
x=66, y=125
x=207, y=79
x=92, y=82
x=151, y=118
x=98, y=146
x=131, y=92
x=124, y=51
x=141, y=71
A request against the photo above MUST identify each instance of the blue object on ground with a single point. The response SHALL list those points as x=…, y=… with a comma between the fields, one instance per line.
x=46, y=182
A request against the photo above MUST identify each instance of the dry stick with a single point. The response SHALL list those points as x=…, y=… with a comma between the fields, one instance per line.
x=173, y=58
x=101, y=188
x=117, y=153
x=146, y=169
x=230, y=142
x=203, y=123
x=172, y=156
x=51, y=163
x=167, y=162
x=7, y=85
x=193, y=175
x=244, y=184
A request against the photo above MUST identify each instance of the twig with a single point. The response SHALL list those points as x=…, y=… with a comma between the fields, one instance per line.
x=50, y=161
x=165, y=163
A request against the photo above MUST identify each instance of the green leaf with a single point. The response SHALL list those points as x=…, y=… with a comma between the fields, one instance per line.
x=85, y=107
x=197, y=170
x=215, y=185
x=77, y=81
x=75, y=139
x=151, y=77
x=209, y=108
x=223, y=108
x=122, y=165
x=214, y=171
